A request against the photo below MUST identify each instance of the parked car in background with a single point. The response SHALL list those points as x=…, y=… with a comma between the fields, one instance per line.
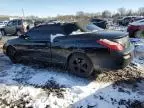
x=15, y=27
x=136, y=29
x=2, y=24
x=78, y=46
x=124, y=21
x=0, y=36
x=99, y=22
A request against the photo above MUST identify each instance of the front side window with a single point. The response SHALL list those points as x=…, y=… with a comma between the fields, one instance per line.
x=36, y=34
x=43, y=32
x=14, y=23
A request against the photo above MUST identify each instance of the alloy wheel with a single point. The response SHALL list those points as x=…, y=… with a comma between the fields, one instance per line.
x=80, y=65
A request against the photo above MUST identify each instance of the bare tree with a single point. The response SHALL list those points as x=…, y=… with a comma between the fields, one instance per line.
x=141, y=11
x=106, y=14
x=129, y=12
x=80, y=13
x=122, y=11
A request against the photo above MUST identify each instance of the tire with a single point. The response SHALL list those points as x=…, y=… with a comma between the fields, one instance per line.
x=3, y=33
x=80, y=65
x=139, y=34
x=13, y=55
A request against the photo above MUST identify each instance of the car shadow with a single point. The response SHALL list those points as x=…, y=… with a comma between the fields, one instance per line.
x=124, y=93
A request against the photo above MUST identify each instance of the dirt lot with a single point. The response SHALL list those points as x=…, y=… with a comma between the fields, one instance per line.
x=36, y=86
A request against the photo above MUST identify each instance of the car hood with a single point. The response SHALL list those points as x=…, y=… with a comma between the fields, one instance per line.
x=110, y=34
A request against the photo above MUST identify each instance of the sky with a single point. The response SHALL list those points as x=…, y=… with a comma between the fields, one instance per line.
x=43, y=8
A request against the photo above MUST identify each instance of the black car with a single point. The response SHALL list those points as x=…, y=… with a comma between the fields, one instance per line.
x=99, y=22
x=77, y=45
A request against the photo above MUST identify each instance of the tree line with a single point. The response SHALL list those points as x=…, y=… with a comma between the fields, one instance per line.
x=83, y=15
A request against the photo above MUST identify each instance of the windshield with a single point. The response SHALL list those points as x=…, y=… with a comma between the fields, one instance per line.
x=1, y=22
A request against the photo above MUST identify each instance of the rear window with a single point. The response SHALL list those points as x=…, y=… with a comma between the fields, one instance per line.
x=142, y=21
x=92, y=27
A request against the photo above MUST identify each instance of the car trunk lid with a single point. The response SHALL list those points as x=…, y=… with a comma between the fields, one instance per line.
x=114, y=36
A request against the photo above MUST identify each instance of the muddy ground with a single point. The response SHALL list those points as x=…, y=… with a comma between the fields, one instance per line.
x=129, y=80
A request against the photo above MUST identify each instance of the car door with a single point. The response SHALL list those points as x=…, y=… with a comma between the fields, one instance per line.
x=37, y=44
x=8, y=26
x=58, y=48
x=11, y=27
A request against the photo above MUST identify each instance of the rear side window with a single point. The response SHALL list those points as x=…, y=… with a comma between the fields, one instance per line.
x=96, y=20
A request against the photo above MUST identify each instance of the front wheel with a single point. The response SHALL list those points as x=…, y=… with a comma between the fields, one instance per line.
x=80, y=65
x=11, y=52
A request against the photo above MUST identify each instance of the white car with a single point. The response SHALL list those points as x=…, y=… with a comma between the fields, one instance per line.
x=3, y=23
x=139, y=22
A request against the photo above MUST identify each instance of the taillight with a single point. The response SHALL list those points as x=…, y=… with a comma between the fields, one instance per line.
x=110, y=44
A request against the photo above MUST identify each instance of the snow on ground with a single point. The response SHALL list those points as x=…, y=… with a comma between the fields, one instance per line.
x=32, y=86
x=28, y=86
x=138, y=52
x=117, y=27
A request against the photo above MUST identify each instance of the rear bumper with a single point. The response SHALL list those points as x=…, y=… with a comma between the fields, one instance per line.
x=124, y=58
x=113, y=60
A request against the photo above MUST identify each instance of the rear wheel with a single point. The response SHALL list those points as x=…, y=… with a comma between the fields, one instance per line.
x=13, y=55
x=139, y=34
x=80, y=65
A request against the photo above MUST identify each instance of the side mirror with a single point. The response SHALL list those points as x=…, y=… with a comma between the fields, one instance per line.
x=25, y=37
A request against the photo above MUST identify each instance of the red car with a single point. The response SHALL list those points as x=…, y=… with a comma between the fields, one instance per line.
x=136, y=29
